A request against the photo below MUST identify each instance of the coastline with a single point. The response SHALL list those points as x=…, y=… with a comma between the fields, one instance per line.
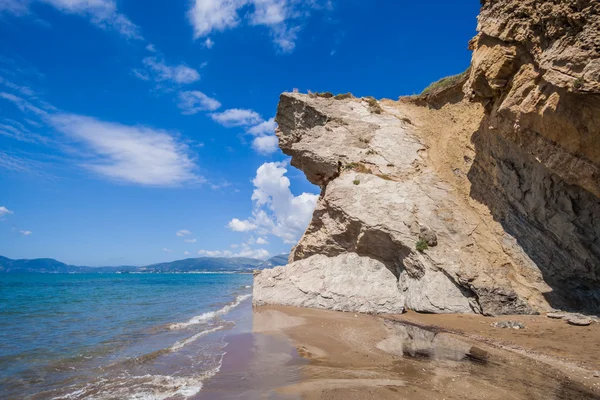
x=296, y=353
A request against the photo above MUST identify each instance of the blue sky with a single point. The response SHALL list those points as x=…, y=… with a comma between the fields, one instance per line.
x=139, y=132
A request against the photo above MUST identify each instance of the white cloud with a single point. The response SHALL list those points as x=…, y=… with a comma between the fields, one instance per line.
x=264, y=128
x=142, y=75
x=192, y=102
x=269, y=12
x=25, y=233
x=207, y=16
x=276, y=210
x=282, y=17
x=102, y=13
x=241, y=226
x=24, y=90
x=159, y=71
x=151, y=48
x=285, y=37
x=186, y=253
x=265, y=144
x=247, y=252
x=214, y=253
x=190, y=240
x=4, y=211
x=261, y=241
x=167, y=250
x=208, y=43
x=22, y=104
x=134, y=154
x=183, y=232
x=237, y=117
x=234, y=246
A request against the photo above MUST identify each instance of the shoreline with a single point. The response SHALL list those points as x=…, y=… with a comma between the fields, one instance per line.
x=297, y=353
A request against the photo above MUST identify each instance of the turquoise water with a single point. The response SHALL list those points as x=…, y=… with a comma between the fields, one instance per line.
x=105, y=336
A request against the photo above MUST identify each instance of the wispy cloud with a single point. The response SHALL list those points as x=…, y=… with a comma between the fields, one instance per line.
x=15, y=7
x=264, y=128
x=102, y=13
x=237, y=117
x=16, y=130
x=283, y=17
x=167, y=250
x=134, y=154
x=183, y=232
x=24, y=90
x=159, y=71
x=276, y=210
x=4, y=211
x=246, y=251
x=25, y=233
x=237, y=225
x=208, y=43
x=190, y=240
x=22, y=104
x=194, y=101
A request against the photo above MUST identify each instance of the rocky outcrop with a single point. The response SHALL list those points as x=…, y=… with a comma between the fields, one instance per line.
x=502, y=220
x=306, y=283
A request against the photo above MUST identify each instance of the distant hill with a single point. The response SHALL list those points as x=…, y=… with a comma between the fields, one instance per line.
x=276, y=261
x=202, y=264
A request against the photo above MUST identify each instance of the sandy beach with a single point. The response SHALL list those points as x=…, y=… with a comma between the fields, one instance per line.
x=293, y=353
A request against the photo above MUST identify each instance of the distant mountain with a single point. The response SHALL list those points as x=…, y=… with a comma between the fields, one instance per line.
x=203, y=264
x=276, y=261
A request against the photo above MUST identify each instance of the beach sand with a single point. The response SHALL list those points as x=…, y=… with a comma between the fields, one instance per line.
x=294, y=353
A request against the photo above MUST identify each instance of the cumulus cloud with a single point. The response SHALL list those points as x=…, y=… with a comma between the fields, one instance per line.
x=237, y=117
x=261, y=241
x=194, y=101
x=4, y=211
x=159, y=71
x=190, y=240
x=102, y=13
x=282, y=17
x=186, y=253
x=276, y=210
x=208, y=43
x=183, y=232
x=134, y=154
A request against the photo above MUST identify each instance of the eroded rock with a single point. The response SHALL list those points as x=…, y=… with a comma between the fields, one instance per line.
x=347, y=282
x=522, y=238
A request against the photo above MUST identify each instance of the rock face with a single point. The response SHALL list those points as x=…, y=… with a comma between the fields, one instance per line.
x=396, y=227
x=306, y=283
x=536, y=67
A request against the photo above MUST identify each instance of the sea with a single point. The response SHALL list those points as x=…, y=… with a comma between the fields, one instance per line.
x=116, y=336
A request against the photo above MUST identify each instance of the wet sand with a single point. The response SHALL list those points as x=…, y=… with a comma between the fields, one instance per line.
x=292, y=353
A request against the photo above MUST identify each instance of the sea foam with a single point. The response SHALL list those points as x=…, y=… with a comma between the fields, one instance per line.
x=199, y=319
